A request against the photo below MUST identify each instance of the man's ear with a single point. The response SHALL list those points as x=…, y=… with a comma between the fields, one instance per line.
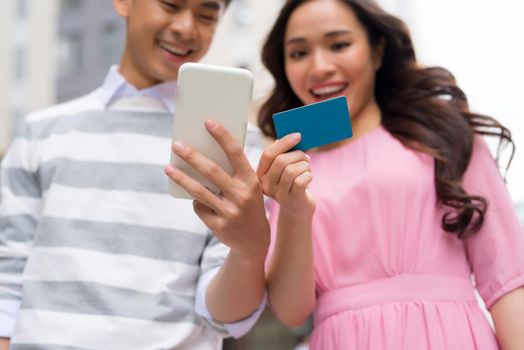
x=378, y=53
x=122, y=7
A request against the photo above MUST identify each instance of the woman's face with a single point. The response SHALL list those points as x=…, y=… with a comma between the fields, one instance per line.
x=327, y=54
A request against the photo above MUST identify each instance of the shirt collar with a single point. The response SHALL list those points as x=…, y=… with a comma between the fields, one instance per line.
x=115, y=86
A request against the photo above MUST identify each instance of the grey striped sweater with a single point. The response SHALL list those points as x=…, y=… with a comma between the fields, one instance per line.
x=92, y=250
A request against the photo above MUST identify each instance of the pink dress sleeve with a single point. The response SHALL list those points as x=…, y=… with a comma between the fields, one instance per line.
x=496, y=252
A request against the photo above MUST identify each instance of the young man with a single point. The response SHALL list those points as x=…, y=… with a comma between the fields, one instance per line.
x=94, y=254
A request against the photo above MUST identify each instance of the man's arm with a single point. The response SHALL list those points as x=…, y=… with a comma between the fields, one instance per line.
x=20, y=203
x=237, y=290
x=237, y=218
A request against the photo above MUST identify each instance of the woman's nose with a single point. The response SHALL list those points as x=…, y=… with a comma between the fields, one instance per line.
x=321, y=64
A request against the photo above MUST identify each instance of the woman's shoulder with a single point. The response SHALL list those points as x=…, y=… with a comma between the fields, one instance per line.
x=481, y=156
x=483, y=170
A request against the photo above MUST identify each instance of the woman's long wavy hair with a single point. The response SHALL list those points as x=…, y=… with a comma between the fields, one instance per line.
x=422, y=107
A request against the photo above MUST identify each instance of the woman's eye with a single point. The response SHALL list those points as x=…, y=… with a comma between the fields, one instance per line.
x=297, y=54
x=339, y=46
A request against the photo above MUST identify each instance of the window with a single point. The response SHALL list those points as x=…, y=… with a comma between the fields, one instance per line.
x=69, y=55
x=112, y=44
x=68, y=5
x=22, y=9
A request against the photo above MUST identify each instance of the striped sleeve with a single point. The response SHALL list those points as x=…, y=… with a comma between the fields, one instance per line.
x=20, y=207
x=254, y=145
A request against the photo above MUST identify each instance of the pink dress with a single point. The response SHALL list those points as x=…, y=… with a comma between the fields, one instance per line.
x=387, y=275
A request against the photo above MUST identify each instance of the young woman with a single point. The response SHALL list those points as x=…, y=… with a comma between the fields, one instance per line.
x=399, y=217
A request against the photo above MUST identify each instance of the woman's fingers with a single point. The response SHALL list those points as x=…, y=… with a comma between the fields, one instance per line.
x=281, y=163
x=302, y=182
x=290, y=173
x=278, y=147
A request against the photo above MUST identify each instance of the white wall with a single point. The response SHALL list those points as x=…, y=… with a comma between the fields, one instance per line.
x=237, y=43
x=7, y=10
x=40, y=85
x=480, y=42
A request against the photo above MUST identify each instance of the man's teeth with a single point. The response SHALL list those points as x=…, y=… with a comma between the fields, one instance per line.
x=328, y=90
x=175, y=50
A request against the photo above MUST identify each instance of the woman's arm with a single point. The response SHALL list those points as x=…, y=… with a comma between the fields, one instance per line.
x=285, y=178
x=508, y=316
x=290, y=277
x=4, y=344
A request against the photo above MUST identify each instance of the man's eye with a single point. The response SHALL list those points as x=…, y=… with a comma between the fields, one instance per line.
x=170, y=5
x=209, y=18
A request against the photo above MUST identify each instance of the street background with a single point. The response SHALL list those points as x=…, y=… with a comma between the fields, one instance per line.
x=54, y=50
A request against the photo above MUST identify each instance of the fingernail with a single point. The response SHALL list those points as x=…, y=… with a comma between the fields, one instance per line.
x=178, y=147
x=295, y=135
x=210, y=125
x=307, y=156
x=169, y=169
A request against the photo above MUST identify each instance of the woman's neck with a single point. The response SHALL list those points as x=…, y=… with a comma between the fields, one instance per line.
x=366, y=120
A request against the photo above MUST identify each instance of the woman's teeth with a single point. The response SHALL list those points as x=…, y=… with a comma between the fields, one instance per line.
x=328, y=90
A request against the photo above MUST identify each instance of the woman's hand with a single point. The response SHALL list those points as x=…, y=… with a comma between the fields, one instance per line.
x=285, y=177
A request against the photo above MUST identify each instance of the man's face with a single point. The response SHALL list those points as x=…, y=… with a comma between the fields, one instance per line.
x=164, y=34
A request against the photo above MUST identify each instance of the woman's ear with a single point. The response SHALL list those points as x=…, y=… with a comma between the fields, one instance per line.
x=378, y=53
x=121, y=7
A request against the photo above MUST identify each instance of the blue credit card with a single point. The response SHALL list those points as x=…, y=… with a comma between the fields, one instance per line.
x=319, y=123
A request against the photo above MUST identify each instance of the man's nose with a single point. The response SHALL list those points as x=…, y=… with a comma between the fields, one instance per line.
x=183, y=25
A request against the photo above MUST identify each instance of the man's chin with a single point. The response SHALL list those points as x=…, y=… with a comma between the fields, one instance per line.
x=170, y=74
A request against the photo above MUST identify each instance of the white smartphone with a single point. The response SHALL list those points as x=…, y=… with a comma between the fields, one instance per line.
x=205, y=91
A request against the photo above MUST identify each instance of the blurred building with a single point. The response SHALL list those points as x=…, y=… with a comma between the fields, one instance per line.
x=62, y=49
x=27, y=62
x=90, y=38
x=52, y=51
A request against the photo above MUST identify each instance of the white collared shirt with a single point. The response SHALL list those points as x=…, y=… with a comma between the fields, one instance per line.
x=116, y=87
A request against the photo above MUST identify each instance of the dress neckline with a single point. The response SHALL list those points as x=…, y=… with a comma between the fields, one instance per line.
x=351, y=143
